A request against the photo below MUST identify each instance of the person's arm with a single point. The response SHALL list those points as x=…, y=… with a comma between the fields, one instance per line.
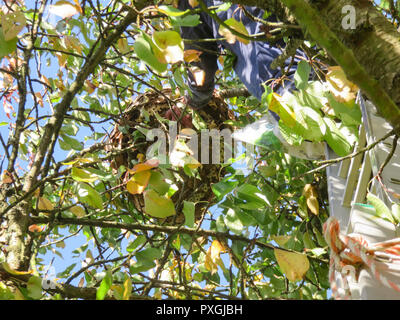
x=201, y=74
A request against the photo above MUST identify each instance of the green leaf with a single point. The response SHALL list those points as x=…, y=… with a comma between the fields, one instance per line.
x=158, y=206
x=267, y=171
x=189, y=212
x=236, y=25
x=222, y=188
x=158, y=183
x=86, y=194
x=223, y=7
x=171, y=11
x=348, y=112
x=82, y=175
x=233, y=222
x=185, y=21
x=136, y=243
x=7, y=47
x=68, y=143
x=302, y=74
x=315, y=123
x=145, y=260
x=290, y=135
x=143, y=51
x=105, y=285
x=253, y=195
x=166, y=38
x=396, y=212
x=34, y=287
x=335, y=139
x=381, y=210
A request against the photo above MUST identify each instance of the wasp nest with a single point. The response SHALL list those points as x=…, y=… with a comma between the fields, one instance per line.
x=147, y=113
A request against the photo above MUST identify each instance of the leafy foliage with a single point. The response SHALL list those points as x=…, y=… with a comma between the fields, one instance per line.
x=67, y=82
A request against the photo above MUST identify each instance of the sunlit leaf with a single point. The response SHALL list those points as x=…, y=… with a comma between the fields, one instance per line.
x=158, y=206
x=7, y=47
x=339, y=85
x=127, y=289
x=138, y=182
x=149, y=164
x=83, y=175
x=144, y=52
x=45, y=204
x=189, y=212
x=104, y=286
x=280, y=240
x=78, y=211
x=283, y=110
x=302, y=74
x=294, y=265
x=9, y=270
x=64, y=9
x=12, y=23
x=381, y=210
x=86, y=194
x=192, y=55
x=34, y=287
x=171, y=11
x=236, y=25
x=311, y=195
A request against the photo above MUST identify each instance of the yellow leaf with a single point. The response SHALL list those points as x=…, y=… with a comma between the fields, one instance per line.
x=192, y=55
x=73, y=44
x=138, y=182
x=342, y=89
x=89, y=86
x=309, y=191
x=123, y=45
x=293, y=264
x=313, y=205
x=9, y=270
x=60, y=244
x=311, y=195
x=64, y=9
x=281, y=240
x=12, y=23
x=78, y=6
x=140, y=157
x=118, y=291
x=127, y=289
x=149, y=164
x=169, y=46
x=209, y=263
x=216, y=249
x=45, y=204
x=193, y=3
x=78, y=211
x=284, y=111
